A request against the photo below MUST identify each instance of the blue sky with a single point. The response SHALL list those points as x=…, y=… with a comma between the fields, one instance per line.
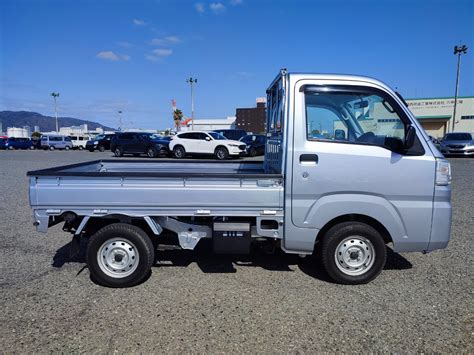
x=135, y=56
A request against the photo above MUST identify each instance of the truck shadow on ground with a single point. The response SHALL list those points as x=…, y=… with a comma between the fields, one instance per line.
x=210, y=262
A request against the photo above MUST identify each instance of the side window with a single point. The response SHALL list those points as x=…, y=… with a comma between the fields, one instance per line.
x=185, y=136
x=358, y=117
x=202, y=136
x=67, y=139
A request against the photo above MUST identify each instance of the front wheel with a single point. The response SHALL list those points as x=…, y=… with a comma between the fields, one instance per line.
x=101, y=148
x=179, y=152
x=253, y=152
x=120, y=255
x=81, y=147
x=66, y=148
x=353, y=253
x=51, y=148
x=221, y=153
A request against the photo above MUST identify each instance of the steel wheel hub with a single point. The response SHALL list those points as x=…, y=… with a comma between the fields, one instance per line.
x=118, y=258
x=355, y=255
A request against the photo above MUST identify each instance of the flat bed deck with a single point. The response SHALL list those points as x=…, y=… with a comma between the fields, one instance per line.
x=147, y=187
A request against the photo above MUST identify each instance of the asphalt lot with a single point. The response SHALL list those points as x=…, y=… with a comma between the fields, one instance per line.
x=197, y=302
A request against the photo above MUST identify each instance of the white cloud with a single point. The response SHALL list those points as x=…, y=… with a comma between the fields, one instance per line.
x=159, y=53
x=217, y=7
x=236, y=2
x=162, y=52
x=165, y=41
x=200, y=7
x=139, y=22
x=113, y=57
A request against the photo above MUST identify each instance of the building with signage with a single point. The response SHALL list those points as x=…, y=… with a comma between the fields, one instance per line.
x=436, y=114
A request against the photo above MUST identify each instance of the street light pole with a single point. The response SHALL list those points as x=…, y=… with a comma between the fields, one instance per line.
x=192, y=81
x=120, y=120
x=457, y=50
x=55, y=95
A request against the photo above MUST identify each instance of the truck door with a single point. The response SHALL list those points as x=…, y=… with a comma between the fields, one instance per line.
x=349, y=158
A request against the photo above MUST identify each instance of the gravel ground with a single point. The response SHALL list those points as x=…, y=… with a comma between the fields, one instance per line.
x=196, y=302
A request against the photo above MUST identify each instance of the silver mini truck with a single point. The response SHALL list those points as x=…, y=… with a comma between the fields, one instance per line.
x=347, y=170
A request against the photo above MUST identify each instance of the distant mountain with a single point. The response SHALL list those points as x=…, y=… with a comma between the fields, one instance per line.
x=45, y=123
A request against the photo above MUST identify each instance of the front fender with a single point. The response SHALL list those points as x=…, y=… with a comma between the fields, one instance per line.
x=332, y=206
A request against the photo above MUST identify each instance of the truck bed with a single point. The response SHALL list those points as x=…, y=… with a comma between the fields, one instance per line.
x=160, y=187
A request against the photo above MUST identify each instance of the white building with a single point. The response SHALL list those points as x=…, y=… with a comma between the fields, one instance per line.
x=16, y=132
x=81, y=130
x=435, y=114
x=210, y=124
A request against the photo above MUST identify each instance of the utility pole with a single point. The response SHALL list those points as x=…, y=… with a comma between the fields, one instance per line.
x=120, y=120
x=191, y=82
x=55, y=95
x=457, y=50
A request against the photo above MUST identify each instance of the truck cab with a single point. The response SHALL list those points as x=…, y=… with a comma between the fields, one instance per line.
x=347, y=170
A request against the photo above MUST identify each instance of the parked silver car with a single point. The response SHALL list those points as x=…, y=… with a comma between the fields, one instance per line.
x=457, y=143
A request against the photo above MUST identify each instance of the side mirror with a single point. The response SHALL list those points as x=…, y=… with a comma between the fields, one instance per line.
x=208, y=139
x=410, y=138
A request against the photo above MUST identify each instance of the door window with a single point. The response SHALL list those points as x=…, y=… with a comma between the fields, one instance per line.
x=360, y=117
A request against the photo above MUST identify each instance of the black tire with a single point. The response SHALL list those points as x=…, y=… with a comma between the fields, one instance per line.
x=253, y=152
x=221, y=153
x=32, y=147
x=51, y=148
x=81, y=147
x=151, y=152
x=91, y=150
x=10, y=147
x=179, y=152
x=66, y=148
x=118, y=152
x=124, y=233
x=362, y=236
x=101, y=148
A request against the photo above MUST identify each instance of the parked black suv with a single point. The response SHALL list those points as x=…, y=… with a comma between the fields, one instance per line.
x=100, y=142
x=255, y=144
x=138, y=143
x=233, y=134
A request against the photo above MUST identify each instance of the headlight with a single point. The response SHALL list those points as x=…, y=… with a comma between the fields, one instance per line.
x=443, y=172
x=233, y=145
x=96, y=142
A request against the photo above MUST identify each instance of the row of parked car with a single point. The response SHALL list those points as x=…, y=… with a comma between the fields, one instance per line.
x=221, y=144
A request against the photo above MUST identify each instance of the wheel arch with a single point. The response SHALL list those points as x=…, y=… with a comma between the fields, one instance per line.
x=354, y=217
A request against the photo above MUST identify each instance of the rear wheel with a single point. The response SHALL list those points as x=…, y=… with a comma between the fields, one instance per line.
x=32, y=147
x=151, y=152
x=353, y=253
x=120, y=255
x=221, y=153
x=118, y=152
x=252, y=152
x=51, y=148
x=66, y=147
x=179, y=152
x=10, y=147
x=81, y=147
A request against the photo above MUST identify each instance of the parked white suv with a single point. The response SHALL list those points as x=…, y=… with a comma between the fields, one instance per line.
x=199, y=142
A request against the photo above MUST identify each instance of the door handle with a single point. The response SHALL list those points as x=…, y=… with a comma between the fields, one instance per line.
x=309, y=159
